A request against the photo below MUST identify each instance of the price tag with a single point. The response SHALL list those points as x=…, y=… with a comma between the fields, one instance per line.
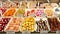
x=58, y=32
x=0, y=13
x=26, y=32
x=14, y=0
x=3, y=0
x=32, y=15
x=44, y=32
x=0, y=3
x=59, y=4
x=10, y=32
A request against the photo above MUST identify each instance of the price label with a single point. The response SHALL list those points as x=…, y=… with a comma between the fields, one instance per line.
x=10, y=32
x=0, y=13
x=26, y=32
x=0, y=4
x=14, y=0
x=44, y=32
x=58, y=32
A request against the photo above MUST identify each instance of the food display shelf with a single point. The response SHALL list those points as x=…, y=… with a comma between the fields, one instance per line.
x=31, y=16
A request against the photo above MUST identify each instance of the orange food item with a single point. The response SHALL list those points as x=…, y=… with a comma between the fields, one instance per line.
x=10, y=12
x=49, y=12
x=14, y=24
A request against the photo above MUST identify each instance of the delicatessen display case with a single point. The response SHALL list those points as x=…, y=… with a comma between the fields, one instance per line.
x=32, y=16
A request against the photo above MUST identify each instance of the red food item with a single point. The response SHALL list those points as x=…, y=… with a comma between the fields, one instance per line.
x=0, y=29
x=33, y=11
x=54, y=24
x=28, y=13
x=3, y=23
x=3, y=10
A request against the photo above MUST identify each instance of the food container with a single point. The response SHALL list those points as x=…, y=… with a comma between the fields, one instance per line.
x=3, y=23
x=28, y=24
x=10, y=12
x=20, y=12
x=12, y=4
x=16, y=4
x=3, y=10
x=32, y=4
x=57, y=10
x=14, y=25
x=49, y=12
x=24, y=4
x=39, y=12
x=42, y=24
x=5, y=4
x=54, y=24
x=54, y=5
x=30, y=12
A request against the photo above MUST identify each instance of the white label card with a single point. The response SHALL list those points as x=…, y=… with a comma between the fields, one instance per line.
x=26, y=32
x=44, y=32
x=58, y=32
x=10, y=32
x=0, y=4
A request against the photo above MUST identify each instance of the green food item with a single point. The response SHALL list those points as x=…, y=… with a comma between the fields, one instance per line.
x=20, y=11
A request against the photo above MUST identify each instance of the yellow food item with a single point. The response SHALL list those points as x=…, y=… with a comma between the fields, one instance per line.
x=19, y=12
x=28, y=24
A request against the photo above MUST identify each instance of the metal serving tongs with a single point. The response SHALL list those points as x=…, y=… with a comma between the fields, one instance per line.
x=48, y=1
x=59, y=4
